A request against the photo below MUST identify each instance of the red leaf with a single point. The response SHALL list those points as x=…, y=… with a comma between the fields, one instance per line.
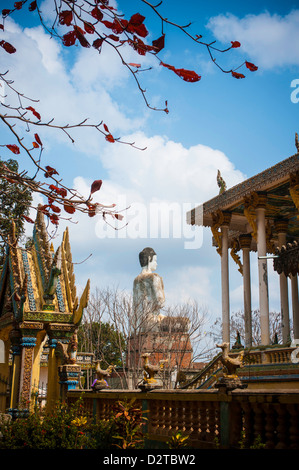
x=36, y=136
x=137, y=19
x=32, y=6
x=136, y=25
x=159, y=43
x=61, y=191
x=238, y=75
x=113, y=37
x=139, y=45
x=44, y=209
x=106, y=127
x=5, y=12
x=10, y=180
x=118, y=26
x=55, y=209
x=34, y=112
x=98, y=43
x=92, y=210
x=53, y=188
x=235, y=44
x=119, y=216
x=134, y=65
x=97, y=14
x=89, y=28
x=66, y=17
x=8, y=47
x=251, y=66
x=69, y=38
x=186, y=75
x=18, y=5
x=96, y=186
x=35, y=145
x=50, y=171
x=54, y=219
x=13, y=148
x=108, y=24
x=28, y=219
x=69, y=208
x=110, y=138
x=80, y=35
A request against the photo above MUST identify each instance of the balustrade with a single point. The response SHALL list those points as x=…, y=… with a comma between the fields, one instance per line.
x=246, y=417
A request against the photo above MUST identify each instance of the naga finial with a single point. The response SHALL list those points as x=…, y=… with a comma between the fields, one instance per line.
x=221, y=183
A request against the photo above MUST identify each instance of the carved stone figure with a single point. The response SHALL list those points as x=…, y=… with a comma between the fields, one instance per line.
x=230, y=364
x=221, y=183
x=148, y=288
x=68, y=350
x=230, y=379
x=100, y=382
x=149, y=371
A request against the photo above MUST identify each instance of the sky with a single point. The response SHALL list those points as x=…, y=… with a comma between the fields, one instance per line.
x=238, y=126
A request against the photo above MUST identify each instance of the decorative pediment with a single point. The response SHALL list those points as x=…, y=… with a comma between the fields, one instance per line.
x=38, y=283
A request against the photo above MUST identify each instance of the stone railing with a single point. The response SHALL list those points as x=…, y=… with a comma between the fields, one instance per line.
x=270, y=355
x=210, y=418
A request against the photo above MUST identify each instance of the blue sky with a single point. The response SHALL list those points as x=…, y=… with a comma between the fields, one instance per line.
x=240, y=126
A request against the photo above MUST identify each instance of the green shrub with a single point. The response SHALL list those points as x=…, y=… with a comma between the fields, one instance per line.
x=128, y=425
x=65, y=427
x=69, y=427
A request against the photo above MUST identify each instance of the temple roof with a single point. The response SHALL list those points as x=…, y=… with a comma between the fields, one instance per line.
x=280, y=185
x=37, y=283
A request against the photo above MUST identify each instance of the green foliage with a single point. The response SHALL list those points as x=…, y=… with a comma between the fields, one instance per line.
x=13, y=205
x=258, y=444
x=69, y=427
x=65, y=427
x=128, y=425
x=103, y=340
x=177, y=440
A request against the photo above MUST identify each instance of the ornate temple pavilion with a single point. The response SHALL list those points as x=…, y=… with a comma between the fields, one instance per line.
x=38, y=303
x=261, y=215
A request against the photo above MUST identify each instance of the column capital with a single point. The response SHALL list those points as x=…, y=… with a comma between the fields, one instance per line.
x=262, y=200
x=281, y=225
x=245, y=240
x=226, y=219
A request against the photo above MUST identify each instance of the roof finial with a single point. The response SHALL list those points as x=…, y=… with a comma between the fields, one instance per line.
x=221, y=183
x=297, y=142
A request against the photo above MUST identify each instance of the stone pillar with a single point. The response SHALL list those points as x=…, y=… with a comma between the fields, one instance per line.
x=245, y=243
x=69, y=375
x=29, y=331
x=225, y=279
x=295, y=305
x=53, y=379
x=262, y=269
x=4, y=367
x=27, y=344
x=281, y=228
x=15, y=337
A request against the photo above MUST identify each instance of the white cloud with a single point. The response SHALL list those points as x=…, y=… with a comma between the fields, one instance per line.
x=40, y=70
x=167, y=172
x=271, y=40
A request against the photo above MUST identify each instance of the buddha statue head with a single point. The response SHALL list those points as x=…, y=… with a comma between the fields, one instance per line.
x=148, y=259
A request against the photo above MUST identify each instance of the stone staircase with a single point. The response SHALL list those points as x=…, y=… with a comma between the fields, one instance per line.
x=263, y=365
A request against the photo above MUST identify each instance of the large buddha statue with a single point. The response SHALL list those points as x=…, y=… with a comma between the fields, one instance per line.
x=148, y=288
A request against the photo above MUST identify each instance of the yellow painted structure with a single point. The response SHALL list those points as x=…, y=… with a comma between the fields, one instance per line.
x=38, y=303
